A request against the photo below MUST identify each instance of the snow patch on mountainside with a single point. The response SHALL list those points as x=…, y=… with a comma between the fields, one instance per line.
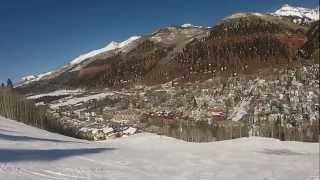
x=36, y=77
x=32, y=78
x=29, y=78
x=57, y=93
x=76, y=100
x=112, y=46
x=287, y=10
x=241, y=110
x=188, y=25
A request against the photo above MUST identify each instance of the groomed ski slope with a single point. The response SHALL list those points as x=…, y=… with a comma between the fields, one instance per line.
x=28, y=153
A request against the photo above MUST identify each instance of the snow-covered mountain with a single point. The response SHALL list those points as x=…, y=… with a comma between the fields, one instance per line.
x=299, y=14
x=112, y=46
x=166, y=36
x=162, y=45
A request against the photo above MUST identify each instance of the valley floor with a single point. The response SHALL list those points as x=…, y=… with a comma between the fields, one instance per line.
x=29, y=153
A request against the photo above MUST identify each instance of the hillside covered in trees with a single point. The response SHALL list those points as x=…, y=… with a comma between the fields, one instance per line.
x=240, y=44
x=251, y=74
x=17, y=107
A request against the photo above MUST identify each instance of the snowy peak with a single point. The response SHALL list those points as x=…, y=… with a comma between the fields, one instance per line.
x=111, y=46
x=299, y=12
x=127, y=42
x=115, y=45
x=188, y=25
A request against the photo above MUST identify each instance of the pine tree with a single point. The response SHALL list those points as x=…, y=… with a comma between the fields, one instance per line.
x=9, y=83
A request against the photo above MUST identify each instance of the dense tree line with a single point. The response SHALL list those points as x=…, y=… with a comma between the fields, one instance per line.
x=15, y=106
x=311, y=47
x=239, y=45
x=246, y=26
x=233, y=51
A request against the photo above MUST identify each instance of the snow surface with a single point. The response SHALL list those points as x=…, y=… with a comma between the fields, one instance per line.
x=287, y=10
x=32, y=154
x=33, y=78
x=241, y=109
x=57, y=93
x=36, y=77
x=28, y=78
x=74, y=100
x=188, y=25
x=112, y=46
x=244, y=105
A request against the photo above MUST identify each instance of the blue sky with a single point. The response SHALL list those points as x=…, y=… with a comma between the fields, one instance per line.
x=40, y=35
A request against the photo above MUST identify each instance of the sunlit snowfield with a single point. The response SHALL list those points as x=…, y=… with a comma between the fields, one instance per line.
x=29, y=153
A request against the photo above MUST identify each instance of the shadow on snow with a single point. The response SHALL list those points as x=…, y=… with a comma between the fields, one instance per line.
x=6, y=130
x=18, y=155
x=27, y=138
x=280, y=152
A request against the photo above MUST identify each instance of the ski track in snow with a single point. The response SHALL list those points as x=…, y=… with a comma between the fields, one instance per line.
x=149, y=157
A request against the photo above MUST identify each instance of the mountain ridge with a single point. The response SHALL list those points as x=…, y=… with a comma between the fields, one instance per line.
x=163, y=46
